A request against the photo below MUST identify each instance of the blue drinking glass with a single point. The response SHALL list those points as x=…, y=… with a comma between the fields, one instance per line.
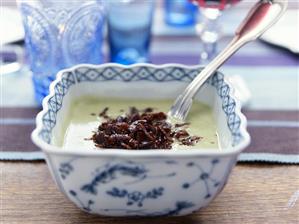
x=59, y=34
x=129, y=30
x=180, y=12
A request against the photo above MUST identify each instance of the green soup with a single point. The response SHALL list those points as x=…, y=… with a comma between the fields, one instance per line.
x=82, y=121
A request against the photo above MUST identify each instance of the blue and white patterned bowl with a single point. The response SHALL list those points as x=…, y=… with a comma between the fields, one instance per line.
x=140, y=183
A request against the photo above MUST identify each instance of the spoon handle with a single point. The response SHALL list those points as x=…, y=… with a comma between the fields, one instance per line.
x=261, y=17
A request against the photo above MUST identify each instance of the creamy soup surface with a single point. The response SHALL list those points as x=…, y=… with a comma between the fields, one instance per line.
x=83, y=121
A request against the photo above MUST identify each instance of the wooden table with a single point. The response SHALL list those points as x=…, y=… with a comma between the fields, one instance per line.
x=255, y=193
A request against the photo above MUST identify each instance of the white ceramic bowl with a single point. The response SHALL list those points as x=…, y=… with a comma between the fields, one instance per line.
x=140, y=183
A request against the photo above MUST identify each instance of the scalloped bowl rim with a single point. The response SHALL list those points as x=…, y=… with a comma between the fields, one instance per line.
x=52, y=149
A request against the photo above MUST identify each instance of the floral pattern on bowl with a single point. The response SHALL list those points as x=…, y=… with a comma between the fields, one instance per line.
x=142, y=183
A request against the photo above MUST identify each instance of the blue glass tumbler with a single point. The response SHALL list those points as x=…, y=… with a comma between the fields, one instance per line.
x=59, y=34
x=129, y=30
x=180, y=13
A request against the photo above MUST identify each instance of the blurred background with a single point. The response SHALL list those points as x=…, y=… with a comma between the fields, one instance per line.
x=60, y=34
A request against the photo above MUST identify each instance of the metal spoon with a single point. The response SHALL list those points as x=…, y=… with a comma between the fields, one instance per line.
x=260, y=18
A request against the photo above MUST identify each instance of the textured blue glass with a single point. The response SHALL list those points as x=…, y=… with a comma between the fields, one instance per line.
x=180, y=12
x=129, y=30
x=59, y=34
